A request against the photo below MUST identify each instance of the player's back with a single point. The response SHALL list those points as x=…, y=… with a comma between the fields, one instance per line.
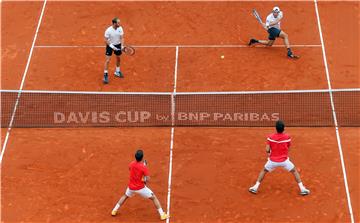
x=279, y=144
x=137, y=171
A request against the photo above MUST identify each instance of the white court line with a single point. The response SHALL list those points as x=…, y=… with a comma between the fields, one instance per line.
x=334, y=113
x=172, y=133
x=182, y=93
x=180, y=46
x=22, y=84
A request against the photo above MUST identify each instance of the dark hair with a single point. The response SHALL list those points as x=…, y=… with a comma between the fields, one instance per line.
x=115, y=20
x=280, y=126
x=139, y=155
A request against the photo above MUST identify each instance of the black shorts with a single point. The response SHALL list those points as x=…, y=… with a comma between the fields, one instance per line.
x=109, y=50
x=273, y=33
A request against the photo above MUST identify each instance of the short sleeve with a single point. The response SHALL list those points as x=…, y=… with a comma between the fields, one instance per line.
x=107, y=34
x=121, y=31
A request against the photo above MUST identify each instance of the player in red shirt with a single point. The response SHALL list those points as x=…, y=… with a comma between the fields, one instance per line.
x=278, y=148
x=139, y=176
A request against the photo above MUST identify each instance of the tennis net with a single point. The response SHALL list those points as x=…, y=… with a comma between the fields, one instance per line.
x=307, y=108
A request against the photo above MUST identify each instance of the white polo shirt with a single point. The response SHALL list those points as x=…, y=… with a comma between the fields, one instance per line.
x=271, y=18
x=114, y=36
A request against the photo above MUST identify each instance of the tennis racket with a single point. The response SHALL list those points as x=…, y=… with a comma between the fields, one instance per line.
x=257, y=16
x=145, y=163
x=129, y=50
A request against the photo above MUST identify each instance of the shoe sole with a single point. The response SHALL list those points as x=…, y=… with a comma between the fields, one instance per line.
x=253, y=191
x=294, y=57
x=304, y=193
x=120, y=75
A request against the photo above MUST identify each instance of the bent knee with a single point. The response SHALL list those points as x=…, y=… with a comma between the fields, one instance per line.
x=153, y=197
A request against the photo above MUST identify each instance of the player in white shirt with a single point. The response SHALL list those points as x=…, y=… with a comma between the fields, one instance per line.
x=114, y=40
x=272, y=26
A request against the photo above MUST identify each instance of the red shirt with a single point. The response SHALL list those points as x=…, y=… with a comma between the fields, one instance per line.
x=137, y=171
x=279, y=146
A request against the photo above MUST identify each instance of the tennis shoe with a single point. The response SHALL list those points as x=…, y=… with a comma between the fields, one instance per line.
x=291, y=55
x=118, y=74
x=252, y=41
x=106, y=78
x=164, y=216
x=305, y=192
x=253, y=190
x=113, y=213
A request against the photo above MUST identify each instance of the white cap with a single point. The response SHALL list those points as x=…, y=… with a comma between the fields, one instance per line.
x=276, y=9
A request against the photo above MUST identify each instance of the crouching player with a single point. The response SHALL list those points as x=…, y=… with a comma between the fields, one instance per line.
x=139, y=176
x=278, y=147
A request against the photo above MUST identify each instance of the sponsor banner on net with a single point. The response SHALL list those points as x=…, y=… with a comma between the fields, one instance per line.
x=103, y=117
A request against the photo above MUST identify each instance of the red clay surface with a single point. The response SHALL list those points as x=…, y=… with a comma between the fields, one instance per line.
x=212, y=178
x=18, y=25
x=171, y=22
x=142, y=72
x=350, y=138
x=72, y=175
x=77, y=175
x=240, y=70
x=342, y=43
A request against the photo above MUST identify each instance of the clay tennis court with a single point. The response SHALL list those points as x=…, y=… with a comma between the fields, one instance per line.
x=77, y=174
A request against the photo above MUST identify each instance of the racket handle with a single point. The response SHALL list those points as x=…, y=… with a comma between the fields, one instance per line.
x=145, y=162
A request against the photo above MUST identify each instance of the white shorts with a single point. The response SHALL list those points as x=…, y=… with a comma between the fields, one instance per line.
x=144, y=192
x=287, y=165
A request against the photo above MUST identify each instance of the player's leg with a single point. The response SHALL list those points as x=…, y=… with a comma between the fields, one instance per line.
x=106, y=67
x=119, y=204
x=262, y=42
x=285, y=37
x=117, y=69
x=261, y=176
x=128, y=193
x=269, y=166
x=158, y=207
x=147, y=193
x=273, y=34
x=303, y=189
x=289, y=166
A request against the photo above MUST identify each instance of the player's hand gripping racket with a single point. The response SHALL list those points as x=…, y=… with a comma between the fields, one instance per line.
x=258, y=18
x=129, y=50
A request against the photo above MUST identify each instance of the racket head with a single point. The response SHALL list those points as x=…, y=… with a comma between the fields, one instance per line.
x=129, y=50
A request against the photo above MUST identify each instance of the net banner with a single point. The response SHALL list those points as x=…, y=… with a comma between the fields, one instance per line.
x=213, y=109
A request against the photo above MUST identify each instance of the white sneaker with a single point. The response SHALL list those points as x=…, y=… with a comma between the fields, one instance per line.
x=305, y=192
x=253, y=190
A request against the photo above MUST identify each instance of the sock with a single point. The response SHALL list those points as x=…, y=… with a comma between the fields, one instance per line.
x=160, y=210
x=301, y=186
x=117, y=206
x=117, y=69
x=105, y=71
x=256, y=186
